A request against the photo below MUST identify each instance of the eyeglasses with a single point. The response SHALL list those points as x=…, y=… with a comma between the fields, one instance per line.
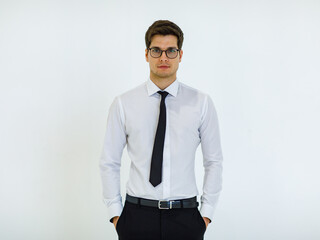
x=170, y=52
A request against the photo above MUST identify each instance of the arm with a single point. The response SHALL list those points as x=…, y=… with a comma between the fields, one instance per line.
x=110, y=161
x=212, y=159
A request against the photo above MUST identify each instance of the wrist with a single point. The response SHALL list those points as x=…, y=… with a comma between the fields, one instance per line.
x=208, y=219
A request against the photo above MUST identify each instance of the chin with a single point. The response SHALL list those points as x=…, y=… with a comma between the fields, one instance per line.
x=164, y=74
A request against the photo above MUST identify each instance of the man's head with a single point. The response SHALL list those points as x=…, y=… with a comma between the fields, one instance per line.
x=164, y=27
x=165, y=36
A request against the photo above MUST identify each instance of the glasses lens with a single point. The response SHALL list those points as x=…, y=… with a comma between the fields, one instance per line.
x=155, y=52
x=172, y=53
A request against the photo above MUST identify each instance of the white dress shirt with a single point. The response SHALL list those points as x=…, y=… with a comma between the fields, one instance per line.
x=191, y=120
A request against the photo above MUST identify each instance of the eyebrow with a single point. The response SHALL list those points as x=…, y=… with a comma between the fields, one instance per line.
x=166, y=49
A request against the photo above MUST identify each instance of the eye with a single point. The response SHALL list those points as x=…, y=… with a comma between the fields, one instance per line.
x=172, y=50
x=155, y=50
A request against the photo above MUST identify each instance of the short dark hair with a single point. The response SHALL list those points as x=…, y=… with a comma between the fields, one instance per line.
x=164, y=27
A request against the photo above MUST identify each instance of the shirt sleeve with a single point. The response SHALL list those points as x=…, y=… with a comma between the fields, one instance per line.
x=212, y=159
x=110, y=160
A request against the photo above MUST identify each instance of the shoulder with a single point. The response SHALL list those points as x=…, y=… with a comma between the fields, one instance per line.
x=133, y=93
x=197, y=97
x=192, y=92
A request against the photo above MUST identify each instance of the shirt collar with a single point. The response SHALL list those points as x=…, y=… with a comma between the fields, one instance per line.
x=172, y=89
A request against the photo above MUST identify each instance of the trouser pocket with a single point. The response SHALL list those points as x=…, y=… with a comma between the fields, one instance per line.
x=120, y=220
x=201, y=220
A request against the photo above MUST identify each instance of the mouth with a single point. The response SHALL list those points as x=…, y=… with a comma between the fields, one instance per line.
x=163, y=66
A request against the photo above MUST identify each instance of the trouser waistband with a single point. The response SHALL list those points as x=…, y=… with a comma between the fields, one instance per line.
x=164, y=204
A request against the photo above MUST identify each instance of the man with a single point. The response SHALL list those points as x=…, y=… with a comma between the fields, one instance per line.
x=162, y=122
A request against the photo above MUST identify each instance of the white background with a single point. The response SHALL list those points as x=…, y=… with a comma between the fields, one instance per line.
x=63, y=62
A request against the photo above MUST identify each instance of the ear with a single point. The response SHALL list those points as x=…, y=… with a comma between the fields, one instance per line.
x=146, y=55
x=180, y=55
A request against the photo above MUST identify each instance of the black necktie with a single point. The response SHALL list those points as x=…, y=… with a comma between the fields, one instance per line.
x=157, y=154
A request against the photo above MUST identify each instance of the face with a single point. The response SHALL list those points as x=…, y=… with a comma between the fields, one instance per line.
x=163, y=67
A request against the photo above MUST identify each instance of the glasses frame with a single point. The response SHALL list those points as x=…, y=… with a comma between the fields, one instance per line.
x=178, y=50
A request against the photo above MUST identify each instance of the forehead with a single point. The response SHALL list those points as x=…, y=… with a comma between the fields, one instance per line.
x=164, y=41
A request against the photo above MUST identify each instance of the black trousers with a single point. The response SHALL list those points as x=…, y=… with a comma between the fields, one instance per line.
x=138, y=222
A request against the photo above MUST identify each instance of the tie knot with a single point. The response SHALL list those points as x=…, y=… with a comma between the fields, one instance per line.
x=163, y=94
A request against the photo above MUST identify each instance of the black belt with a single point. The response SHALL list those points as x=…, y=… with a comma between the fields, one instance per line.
x=164, y=204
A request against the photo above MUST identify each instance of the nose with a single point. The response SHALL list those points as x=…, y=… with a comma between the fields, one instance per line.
x=163, y=56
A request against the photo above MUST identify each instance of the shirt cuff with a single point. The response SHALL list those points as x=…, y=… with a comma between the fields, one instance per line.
x=206, y=211
x=115, y=210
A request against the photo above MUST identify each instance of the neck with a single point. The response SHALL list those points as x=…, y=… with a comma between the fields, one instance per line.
x=162, y=83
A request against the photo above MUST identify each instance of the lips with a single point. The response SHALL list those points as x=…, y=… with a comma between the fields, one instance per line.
x=163, y=66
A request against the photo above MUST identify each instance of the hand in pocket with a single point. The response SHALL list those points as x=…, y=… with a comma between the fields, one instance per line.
x=115, y=221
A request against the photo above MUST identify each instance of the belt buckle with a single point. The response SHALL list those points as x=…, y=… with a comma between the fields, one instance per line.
x=170, y=204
